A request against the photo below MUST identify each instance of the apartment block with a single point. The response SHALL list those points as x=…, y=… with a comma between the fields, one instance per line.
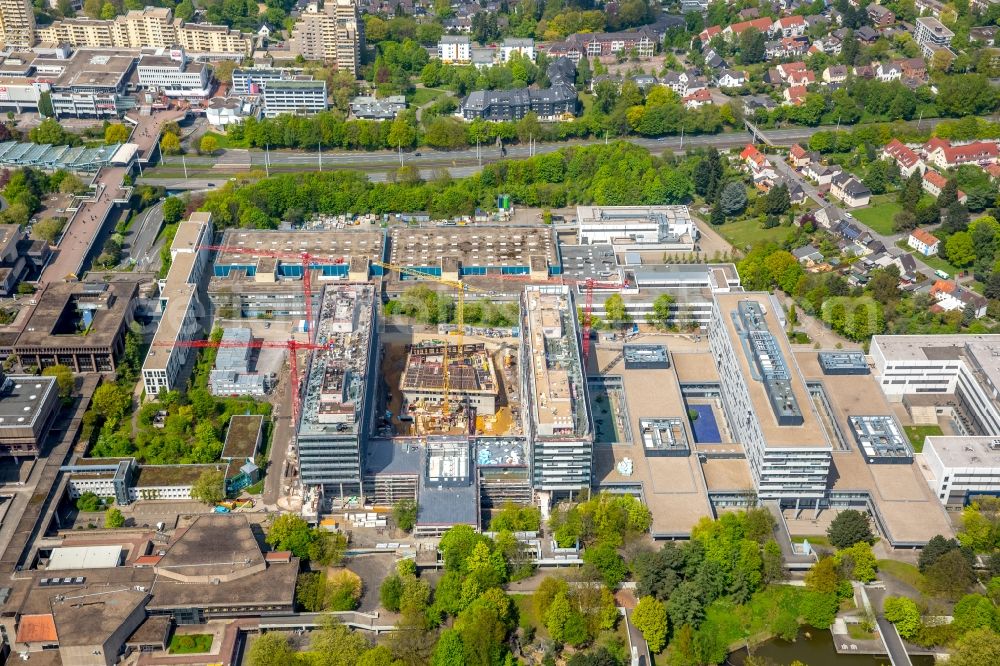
x=931, y=35
x=152, y=27
x=294, y=96
x=455, y=49
x=17, y=23
x=174, y=75
x=333, y=34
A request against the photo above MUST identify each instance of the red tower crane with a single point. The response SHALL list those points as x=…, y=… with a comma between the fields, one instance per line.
x=308, y=261
x=293, y=346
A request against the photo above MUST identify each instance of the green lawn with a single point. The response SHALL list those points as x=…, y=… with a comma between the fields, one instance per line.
x=423, y=95
x=916, y=434
x=935, y=262
x=815, y=540
x=744, y=233
x=905, y=572
x=879, y=214
x=224, y=140
x=190, y=643
x=858, y=633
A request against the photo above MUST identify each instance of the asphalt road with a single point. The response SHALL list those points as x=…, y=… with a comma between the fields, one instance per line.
x=281, y=437
x=141, y=235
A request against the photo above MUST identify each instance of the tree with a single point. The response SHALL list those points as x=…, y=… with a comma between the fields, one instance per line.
x=980, y=647
x=685, y=605
x=903, y=613
x=948, y=194
x=173, y=209
x=45, y=105
x=662, y=314
x=390, y=593
x=209, y=487
x=824, y=576
x=650, y=617
x=733, y=198
x=291, y=532
x=937, y=547
x=858, y=562
x=113, y=518
x=327, y=548
x=557, y=616
x=64, y=381
x=449, y=650
x=108, y=11
x=404, y=514
x=960, y=249
x=111, y=401
x=605, y=558
x=614, y=311
x=848, y=528
x=271, y=648
x=71, y=184
x=973, y=611
x=208, y=144
x=877, y=176
x=92, y=8
x=951, y=575
x=751, y=46
x=336, y=645
x=115, y=133
x=170, y=144
x=89, y=502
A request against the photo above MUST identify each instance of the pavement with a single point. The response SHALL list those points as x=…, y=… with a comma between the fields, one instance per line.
x=274, y=481
x=86, y=226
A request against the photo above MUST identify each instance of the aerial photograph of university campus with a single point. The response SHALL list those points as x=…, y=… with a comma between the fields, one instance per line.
x=500, y=332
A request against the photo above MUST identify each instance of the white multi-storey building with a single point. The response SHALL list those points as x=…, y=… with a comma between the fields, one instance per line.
x=182, y=312
x=174, y=75
x=293, y=96
x=455, y=49
x=766, y=400
x=635, y=225
x=524, y=46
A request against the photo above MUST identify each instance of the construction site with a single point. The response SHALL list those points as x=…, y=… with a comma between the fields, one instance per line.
x=438, y=387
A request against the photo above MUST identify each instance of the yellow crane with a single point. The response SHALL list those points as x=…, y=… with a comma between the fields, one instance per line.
x=460, y=287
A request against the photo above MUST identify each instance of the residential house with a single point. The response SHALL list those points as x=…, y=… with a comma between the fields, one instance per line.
x=979, y=153
x=786, y=47
x=454, y=49
x=828, y=217
x=733, y=31
x=808, y=255
x=789, y=26
x=830, y=45
x=994, y=171
x=933, y=182
x=864, y=72
x=795, y=74
x=923, y=242
x=914, y=68
x=706, y=35
x=757, y=164
x=714, y=61
x=821, y=173
x=698, y=98
x=850, y=190
x=907, y=266
x=729, y=78
x=605, y=44
x=794, y=95
x=929, y=7
x=523, y=46
x=931, y=35
x=753, y=102
x=880, y=16
x=798, y=156
x=835, y=74
x=949, y=296
x=748, y=13
x=866, y=35
x=905, y=158
x=887, y=72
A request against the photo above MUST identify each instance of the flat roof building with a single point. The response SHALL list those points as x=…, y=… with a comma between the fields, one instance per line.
x=28, y=406
x=232, y=374
x=182, y=312
x=962, y=467
x=472, y=253
x=81, y=325
x=655, y=227
x=555, y=391
x=340, y=384
x=766, y=400
x=260, y=272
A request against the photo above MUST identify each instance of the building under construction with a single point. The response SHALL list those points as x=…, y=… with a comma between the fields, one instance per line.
x=259, y=272
x=339, y=391
x=448, y=403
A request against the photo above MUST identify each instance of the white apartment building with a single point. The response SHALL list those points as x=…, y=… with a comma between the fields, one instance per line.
x=455, y=49
x=182, y=312
x=523, y=46
x=931, y=35
x=152, y=27
x=174, y=75
x=334, y=34
x=767, y=404
x=17, y=23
